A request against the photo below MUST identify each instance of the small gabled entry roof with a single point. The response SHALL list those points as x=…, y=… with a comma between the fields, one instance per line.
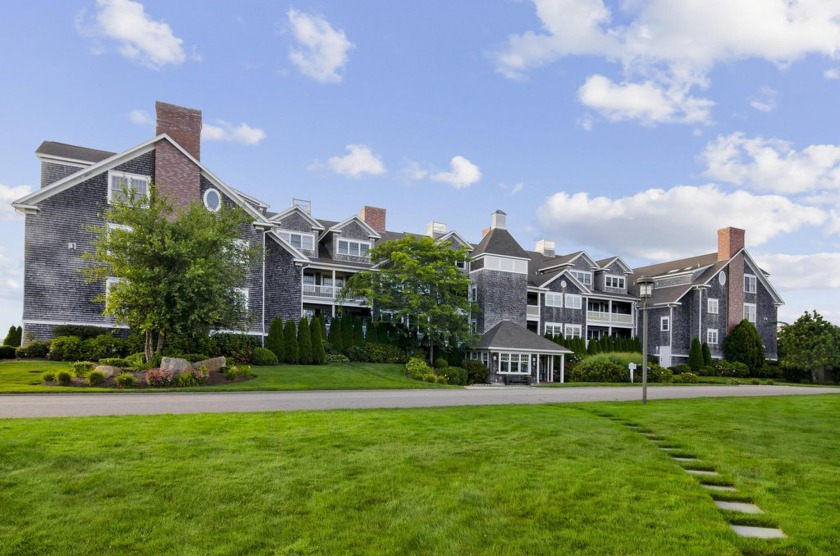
x=508, y=335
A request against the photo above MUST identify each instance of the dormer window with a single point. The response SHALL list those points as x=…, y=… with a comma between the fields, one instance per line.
x=617, y=282
x=299, y=240
x=123, y=187
x=353, y=248
x=582, y=276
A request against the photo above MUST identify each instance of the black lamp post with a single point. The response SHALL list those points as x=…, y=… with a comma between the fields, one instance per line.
x=645, y=284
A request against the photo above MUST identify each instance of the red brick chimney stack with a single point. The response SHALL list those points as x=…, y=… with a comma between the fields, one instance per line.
x=177, y=177
x=182, y=124
x=730, y=241
x=374, y=217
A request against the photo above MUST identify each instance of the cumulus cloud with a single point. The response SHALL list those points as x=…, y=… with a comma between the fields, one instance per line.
x=772, y=164
x=140, y=117
x=140, y=38
x=634, y=225
x=786, y=270
x=832, y=73
x=8, y=195
x=764, y=100
x=358, y=161
x=224, y=131
x=321, y=51
x=673, y=44
x=462, y=173
x=412, y=171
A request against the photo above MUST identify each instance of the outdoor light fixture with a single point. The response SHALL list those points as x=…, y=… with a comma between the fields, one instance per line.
x=645, y=284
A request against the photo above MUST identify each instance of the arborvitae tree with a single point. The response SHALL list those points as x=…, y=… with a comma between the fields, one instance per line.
x=335, y=338
x=290, y=344
x=592, y=347
x=19, y=336
x=319, y=355
x=274, y=342
x=358, y=333
x=707, y=355
x=304, y=339
x=10, y=337
x=744, y=344
x=347, y=330
x=372, y=336
x=323, y=329
x=695, y=355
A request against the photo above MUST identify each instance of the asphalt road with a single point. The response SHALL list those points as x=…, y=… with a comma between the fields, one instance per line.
x=66, y=405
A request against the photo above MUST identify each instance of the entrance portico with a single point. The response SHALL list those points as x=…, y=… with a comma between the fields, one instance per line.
x=513, y=353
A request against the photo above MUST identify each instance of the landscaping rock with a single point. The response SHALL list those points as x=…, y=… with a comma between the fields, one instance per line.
x=174, y=364
x=213, y=365
x=107, y=370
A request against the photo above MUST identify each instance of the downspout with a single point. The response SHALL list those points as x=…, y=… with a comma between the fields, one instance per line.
x=264, y=254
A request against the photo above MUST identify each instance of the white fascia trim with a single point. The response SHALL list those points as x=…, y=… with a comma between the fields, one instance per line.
x=482, y=255
x=456, y=235
x=247, y=333
x=526, y=350
x=761, y=278
x=63, y=161
x=75, y=323
x=280, y=215
x=372, y=234
x=298, y=256
x=624, y=268
x=328, y=266
x=256, y=201
x=26, y=209
x=565, y=273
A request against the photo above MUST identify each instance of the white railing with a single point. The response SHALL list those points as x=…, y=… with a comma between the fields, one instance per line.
x=533, y=311
x=328, y=292
x=604, y=316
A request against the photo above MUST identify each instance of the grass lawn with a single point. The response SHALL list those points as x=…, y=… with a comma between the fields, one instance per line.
x=25, y=376
x=500, y=480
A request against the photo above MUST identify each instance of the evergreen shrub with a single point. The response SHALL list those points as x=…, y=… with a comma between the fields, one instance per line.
x=264, y=357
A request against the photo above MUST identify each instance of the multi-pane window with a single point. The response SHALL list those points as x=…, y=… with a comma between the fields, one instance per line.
x=353, y=248
x=299, y=240
x=617, y=282
x=123, y=187
x=712, y=306
x=749, y=283
x=573, y=301
x=553, y=299
x=582, y=276
x=573, y=331
x=749, y=312
x=712, y=336
x=513, y=363
x=553, y=329
x=504, y=264
x=665, y=324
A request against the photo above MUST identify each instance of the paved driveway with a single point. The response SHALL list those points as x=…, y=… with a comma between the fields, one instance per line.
x=64, y=405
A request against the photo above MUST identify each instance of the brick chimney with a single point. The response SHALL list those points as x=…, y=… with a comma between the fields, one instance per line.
x=730, y=241
x=374, y=217
x=176, y=176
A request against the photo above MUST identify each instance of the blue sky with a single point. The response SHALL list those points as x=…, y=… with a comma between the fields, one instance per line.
x=632, y=128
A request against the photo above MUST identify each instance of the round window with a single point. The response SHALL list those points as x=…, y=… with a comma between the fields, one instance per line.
x=212, y=200
x=722, y=278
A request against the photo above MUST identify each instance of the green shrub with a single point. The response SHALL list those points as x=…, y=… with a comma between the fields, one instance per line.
x=755, y=381
x=115, y=362
x=264, y=357
x=65, y=348
x=770, y=381
x=731, y=369
x=159, y=378
x=125, y=380
x=13, y=338
x=743, y=344
x=770, y=369
x=304, y=341
x=65, y=378
x=103, y=346
x=735, y=381
x=441, y=362
x=796, y=375
x=667, y=376
x=454, y=375
x=81, y=331
x=440, y=379
x=237, y=347
x=243, y=370
x=476, y=371
x=95, y=377
x=290, y=344
x=337, y=358
x=385, y=353
x=48, y=376
x=316, y=330
x=707, y=355
x=605, y=367
x=274, y=340
x=679, y=369
x=230, y=373
x=695, y=355
x=686, y=378
x=357, y=353
x=417, y=369
x=135, y=360
x=38, y=348
x=82, y=368
x=7, y=352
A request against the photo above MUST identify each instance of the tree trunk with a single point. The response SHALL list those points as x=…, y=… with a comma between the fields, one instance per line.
x=159, y=343
x=147, y=348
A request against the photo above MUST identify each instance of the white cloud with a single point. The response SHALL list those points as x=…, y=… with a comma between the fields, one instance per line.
x=634, y=225
x=8, y=195
x=462, y=173
x=586, y=122
x=412, y=171
x=832, y=73
x=224, y=131
x=321, y=51
x=786, y=271
x=140, y=117
x=517, y=188
x=142, y=39
x=11, y=277
x=772, y=164
x=359, y=160
x=764, y=100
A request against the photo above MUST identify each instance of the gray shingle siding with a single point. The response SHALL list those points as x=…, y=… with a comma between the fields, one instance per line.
x=283, y=284
x=716, y=321
x=51, y=172
x=500, y=296
x=766, y=321
x=562, y=315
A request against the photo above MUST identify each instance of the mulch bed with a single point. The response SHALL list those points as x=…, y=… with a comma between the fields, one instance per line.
x=214, y=379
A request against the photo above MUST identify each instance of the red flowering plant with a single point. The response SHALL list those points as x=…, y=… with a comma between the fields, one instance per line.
x=159, y=378
x=199, y=374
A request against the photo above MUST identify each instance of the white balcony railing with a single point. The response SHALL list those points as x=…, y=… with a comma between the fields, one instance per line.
x=329, y=293
x=533, y=311
x=603, y=316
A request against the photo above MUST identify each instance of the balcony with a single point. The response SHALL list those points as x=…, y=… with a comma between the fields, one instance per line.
x=328, y=294
x=533, y=312
x=612, y=318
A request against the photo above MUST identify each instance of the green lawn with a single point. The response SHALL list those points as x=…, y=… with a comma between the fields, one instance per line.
x=25, y=376
x=500, y=480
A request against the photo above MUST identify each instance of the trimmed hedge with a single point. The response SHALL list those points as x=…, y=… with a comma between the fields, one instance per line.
x=613, y=367
x=454, y=375
x=264, y=357
x=476, y=371
x=7, y=352
x=35, y=349
x=65, y=348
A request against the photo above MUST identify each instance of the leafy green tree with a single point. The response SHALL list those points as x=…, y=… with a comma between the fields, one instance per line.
x=417, y=280
x=707, y=355
x=319, y=355
x=809, y=344
x=695, y=355
x=743, y=344
x=290, y=343
x=304, y=340
x=274, y=342
x=177, y=272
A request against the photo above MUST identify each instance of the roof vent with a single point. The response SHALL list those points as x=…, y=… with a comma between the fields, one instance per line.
x=435, y=229
x=499, y=220
x=545, y=247
x=303, y=204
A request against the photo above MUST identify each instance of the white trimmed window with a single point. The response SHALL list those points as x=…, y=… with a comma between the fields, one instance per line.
x=504, y=264
x=553, y=299
x=298, y=240
x=212, y=200
x=712, y=336
x=109, y=283
x=712, y=306
x=473, y=295
x=582, y=276
x=553, y=329
x=573, y=331
x=749, y=312
x=617, y=282
x=514, y=364
x=243, y=292
x=353, y=248
x=750, y=284
x=665, y=324
x=574, y=301
x=122, y=184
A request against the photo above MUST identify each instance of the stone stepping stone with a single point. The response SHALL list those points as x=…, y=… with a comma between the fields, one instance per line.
x=742, y=507
x=701, y=472
x=684, y=459
x=758, y=532
x=719, y=488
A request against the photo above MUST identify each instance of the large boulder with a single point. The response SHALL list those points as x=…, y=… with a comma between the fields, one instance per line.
x=108, y=370
x=174, y=364
x=213, y=364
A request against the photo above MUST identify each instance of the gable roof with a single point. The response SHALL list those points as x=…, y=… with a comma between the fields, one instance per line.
x=306, y=216
x=567, y=260
x=298, y=256
x=605, y=263
x=498, y=241
x=71, y=153
x=509, y=335
x=336, y=227
x=453, y=235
